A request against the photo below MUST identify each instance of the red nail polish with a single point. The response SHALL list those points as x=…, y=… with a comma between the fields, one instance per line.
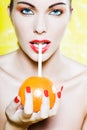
x=59, y=94
x=46, y=93
x=61, y=88
x=16, y=100
x=28, y=89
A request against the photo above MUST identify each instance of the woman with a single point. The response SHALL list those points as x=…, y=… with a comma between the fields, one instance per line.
x=42, y=22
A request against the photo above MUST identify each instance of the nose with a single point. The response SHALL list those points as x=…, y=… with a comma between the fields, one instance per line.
x=40, y=25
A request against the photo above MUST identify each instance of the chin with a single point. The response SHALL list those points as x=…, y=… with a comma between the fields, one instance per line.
x=36, y=59
x=44, y=58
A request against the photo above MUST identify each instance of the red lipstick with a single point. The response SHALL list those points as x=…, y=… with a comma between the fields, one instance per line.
x=34, y=44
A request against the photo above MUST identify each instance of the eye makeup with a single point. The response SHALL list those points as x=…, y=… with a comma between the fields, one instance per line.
x=28, y=9
x=25, y=9
x=57, y=10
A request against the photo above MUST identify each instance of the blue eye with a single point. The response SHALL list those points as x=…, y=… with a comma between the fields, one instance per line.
x=27, y=11
x=56, y=12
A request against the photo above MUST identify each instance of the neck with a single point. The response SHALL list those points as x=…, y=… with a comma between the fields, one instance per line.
x=53, y=65
x=50, y=68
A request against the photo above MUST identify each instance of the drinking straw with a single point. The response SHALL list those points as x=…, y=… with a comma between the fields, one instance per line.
x=40, y=61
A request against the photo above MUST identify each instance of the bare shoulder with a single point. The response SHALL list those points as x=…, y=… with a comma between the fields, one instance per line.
x=77, y=80
x=77, y=72
x=8, y=63
x=6, y=58
x=76, y=67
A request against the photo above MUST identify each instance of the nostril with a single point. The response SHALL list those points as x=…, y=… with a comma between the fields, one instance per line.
x=40, y=27
x=39, y=32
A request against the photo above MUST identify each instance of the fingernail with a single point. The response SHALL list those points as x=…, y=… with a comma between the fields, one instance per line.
x=46, y=93
x=61, y=88
x=28, y=89
x=16, y=100
x=59, y=94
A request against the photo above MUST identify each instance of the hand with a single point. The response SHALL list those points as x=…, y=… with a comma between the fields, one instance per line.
x=24, y=116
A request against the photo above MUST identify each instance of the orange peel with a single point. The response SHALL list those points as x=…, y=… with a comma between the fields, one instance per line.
x=38, y=85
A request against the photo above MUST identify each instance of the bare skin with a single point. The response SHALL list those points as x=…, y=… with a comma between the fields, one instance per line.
x=44, y=20
x=73, y=108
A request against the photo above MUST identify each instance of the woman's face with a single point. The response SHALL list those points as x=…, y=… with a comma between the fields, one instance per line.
x=40, y=22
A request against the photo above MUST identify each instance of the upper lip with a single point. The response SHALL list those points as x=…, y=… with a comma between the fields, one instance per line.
x=40, y=41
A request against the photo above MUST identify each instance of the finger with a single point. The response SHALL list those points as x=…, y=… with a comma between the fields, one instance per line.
x=60, y=92
x=44, y=111
x=28, y=106
x=13, y=106
x=19, y=117
x=55, y=108
x=35, y=117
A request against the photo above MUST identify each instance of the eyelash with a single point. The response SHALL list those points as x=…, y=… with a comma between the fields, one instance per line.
x=56, y=12
x=27, y=11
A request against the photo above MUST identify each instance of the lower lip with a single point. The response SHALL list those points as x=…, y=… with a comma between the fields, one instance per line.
x=36, y=50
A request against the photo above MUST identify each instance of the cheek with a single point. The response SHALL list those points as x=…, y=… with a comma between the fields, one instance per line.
x=23, y=30
x=19, y=29
x=60, y=28
x=19, y=24
x=57, y=27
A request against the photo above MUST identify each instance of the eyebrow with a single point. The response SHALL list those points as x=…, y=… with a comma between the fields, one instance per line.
x=60, y=3
x=22, y=2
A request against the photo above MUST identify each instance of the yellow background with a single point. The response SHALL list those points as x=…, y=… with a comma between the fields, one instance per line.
x=74, y=43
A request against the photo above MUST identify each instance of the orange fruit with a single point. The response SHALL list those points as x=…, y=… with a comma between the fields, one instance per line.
x=37, y=85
